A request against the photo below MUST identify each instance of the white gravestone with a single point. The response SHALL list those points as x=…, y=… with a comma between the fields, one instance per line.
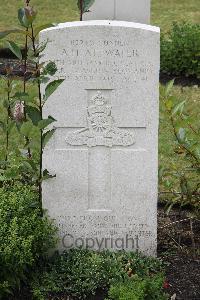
x=122, y=10
x=104, y=149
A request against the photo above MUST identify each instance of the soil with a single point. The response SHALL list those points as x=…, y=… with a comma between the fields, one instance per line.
x=15, y=68
x=179, y=247
x=180, y=80
x=183, y=275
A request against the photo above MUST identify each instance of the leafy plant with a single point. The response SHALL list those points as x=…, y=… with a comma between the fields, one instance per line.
x=80, y=273
x=24, y=113
x=180, y=53
x=25, y=235
x=187, y=148
x=137, y=288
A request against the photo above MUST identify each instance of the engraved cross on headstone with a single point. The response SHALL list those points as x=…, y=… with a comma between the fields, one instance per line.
x=101, y=135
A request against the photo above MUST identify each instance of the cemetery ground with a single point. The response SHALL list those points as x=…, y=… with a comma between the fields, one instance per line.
x=178, y=213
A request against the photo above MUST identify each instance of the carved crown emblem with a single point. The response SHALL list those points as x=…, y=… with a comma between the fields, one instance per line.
x=99, y=99
x=99, y=105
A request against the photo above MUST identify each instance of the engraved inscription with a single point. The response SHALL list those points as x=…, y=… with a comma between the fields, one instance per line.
x=104, y=60
x=107, y=227
x=102, y=130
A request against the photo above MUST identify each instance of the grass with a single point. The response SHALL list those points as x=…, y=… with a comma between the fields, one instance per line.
x=49, y=11
x=165, y=12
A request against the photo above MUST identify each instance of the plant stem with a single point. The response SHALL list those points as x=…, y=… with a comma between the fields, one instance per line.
x=8, y=117
x=190, y=126
x=81, y=10
x=40, y=108
x=180, y=143
x=25, y=60
x=25, y=70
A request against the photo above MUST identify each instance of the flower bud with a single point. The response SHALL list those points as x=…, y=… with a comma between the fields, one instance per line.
x=30, y=13
x=166, y=284
x=18, y=113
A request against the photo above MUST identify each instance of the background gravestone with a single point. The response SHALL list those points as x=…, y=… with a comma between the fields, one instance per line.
x=104, y=149
x=122, y=10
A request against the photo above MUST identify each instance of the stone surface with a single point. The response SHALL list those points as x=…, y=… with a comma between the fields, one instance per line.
x=122, y=10
x=104, y=149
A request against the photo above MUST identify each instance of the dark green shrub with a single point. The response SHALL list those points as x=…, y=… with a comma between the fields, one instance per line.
x=180, y=50
x=81, y=272
x=77, y=273
x=25, y=236
x=136, y=288
x=131, y=289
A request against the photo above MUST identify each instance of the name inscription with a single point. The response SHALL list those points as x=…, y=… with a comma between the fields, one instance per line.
x=94, y=60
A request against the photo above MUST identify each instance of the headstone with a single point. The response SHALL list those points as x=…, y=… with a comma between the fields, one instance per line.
x=122, y=10
x=104, y=151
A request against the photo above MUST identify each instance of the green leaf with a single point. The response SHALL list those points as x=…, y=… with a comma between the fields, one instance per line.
x=169, y=87
x=178, y=108
x=15, y=49
x=46, y=137
x=44, y=79
x=51, y=87
x=34, y=114
x=26, y=166
x=12, y=173
x=19, y=95
x=44, y=123
x=26, y=128
x=26, y=16
x=46, y=175
x=169, y=104
x=40, y=48
x=168, y=209
x=50, y=69
x=42, y=27
x=161, y=171
x=22, y=18
x=33, y=164
x=86, y=4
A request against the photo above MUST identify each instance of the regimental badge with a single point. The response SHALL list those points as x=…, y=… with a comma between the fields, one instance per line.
x=101, y=130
